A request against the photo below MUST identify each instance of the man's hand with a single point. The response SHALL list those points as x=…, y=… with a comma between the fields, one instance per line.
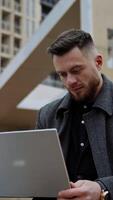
x=81, y=190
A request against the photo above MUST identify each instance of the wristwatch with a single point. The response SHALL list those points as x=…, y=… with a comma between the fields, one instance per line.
x=104, y=194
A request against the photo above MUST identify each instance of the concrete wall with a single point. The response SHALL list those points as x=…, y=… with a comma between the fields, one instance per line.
x=102, y=20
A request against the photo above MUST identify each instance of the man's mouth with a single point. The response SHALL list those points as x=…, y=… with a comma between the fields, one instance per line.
x=75, y=89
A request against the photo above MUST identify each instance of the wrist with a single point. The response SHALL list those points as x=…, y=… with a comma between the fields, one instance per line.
x=104, y=194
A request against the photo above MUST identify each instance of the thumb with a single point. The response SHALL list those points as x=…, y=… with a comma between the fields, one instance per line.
x=72, y=185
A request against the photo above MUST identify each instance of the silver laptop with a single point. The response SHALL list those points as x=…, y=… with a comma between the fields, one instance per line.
x=31, y=164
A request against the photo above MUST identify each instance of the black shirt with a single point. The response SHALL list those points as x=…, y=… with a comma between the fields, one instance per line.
x=80, y=164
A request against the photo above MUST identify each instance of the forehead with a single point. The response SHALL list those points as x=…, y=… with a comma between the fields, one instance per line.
x=73, y=57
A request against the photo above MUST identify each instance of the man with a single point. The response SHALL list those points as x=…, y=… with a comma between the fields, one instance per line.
x=83, y=118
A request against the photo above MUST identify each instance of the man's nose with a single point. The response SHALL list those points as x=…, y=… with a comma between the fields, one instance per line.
x=71, y=79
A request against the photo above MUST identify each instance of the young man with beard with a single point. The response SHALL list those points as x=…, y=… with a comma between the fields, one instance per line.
x=83, y=117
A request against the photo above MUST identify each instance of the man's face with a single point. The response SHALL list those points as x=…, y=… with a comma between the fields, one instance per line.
x=80, y=73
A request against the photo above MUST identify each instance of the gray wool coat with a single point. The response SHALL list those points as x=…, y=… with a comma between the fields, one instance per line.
x=99, y=126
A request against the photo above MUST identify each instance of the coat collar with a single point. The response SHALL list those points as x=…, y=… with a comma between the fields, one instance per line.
x=104, y=100
x=65, y=105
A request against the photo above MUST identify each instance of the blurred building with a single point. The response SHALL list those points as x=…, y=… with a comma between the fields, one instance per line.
x=19, y=19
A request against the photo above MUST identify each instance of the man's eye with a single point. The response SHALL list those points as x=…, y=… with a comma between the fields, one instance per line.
x=76, y=71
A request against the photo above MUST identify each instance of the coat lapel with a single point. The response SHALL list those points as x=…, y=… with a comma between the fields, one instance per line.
x=63, y=123
x=64, y=132
x=95, y=125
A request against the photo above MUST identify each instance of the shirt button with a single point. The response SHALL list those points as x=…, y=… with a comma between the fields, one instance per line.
x=82, y=122
x=85, y=106
x=82, y=144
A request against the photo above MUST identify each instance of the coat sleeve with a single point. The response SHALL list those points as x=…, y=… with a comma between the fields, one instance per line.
x=46, y=116
x=42, y=118
x=108, y=183
x=39, y=122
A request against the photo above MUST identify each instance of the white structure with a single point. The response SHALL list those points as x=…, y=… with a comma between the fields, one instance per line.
x=31, y=66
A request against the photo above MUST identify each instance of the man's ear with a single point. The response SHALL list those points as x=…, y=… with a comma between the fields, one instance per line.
x=99, y=62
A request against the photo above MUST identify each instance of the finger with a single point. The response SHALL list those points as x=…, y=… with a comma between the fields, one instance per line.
x=77, y=184
x=72, y=185
x=64, y=199
x=68, y=199
x=70, y=193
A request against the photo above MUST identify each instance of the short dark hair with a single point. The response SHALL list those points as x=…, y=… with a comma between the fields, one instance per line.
x=68, y=40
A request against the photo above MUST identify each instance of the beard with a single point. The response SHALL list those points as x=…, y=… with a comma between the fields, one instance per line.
x=88, y=93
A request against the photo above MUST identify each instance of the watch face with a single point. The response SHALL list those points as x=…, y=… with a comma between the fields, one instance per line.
x=103, y=195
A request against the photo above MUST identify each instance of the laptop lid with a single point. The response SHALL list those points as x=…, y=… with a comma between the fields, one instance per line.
x=31, y=164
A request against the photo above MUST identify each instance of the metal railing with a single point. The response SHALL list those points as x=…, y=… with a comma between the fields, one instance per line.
x=18, y=7
x=6, y=3
x=16, y=50
x=5, y=25
x=5, y=48
x=17, y=29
